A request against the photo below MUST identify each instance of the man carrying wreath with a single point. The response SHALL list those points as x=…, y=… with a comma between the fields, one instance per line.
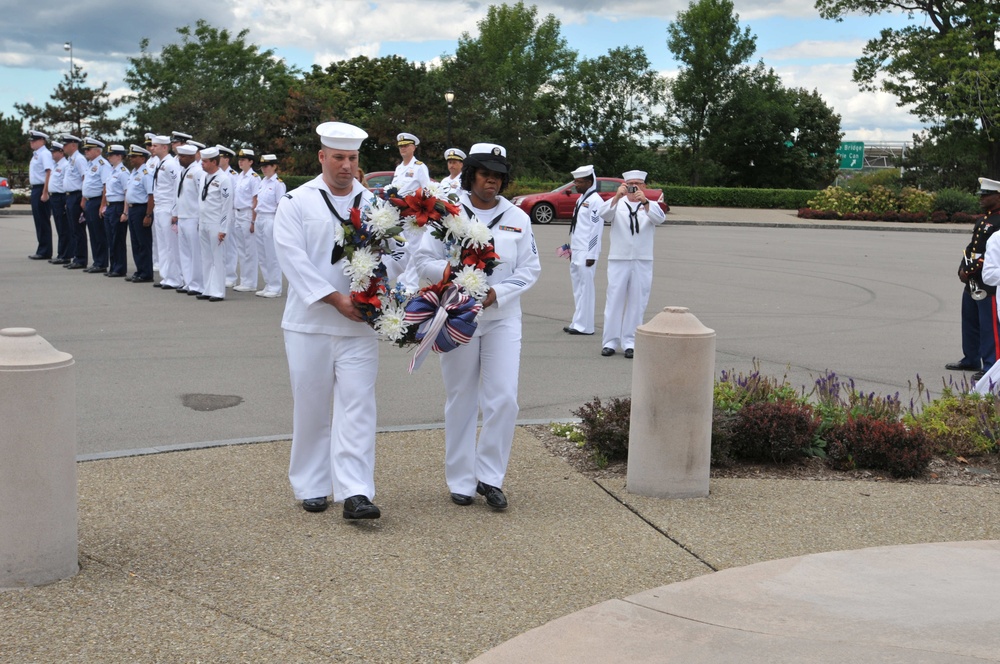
x=332, y=353
x=483, y=373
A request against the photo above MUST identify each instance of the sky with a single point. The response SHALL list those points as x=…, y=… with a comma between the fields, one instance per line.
x=805, y=50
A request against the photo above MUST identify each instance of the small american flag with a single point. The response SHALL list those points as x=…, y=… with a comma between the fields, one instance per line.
x=564, y=251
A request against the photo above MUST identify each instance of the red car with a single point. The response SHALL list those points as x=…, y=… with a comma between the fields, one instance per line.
x=559, y=203
x=376, y=181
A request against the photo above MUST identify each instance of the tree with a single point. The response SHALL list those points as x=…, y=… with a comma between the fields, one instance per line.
x=503, y=79
x=608, y=107
x=75, y=108
x=947, y=68
x=952, y=155
x=13, y=143
x=707, y=40
x=212, y=85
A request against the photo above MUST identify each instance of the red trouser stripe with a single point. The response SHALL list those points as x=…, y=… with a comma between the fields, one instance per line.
x=996, y=332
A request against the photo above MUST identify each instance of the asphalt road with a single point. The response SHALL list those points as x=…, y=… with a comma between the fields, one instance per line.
x=878, y=307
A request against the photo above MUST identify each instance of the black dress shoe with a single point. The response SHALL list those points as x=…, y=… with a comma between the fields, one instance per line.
x=359, y=507
x=75, y=266
x=461, y=499
x=494, y=496
x=39, y=257
x=93, y=269
x=182, y=291
x=202, y=296
x=59, y=261
x=573, y=330
x=629, y=353
x=961, y=366
x=315, y=504
x=157, y=285
x=607, y=352
x=193, y=292
x=976, y=376
x=141, y=280
x=115, y=274
x=215, y=299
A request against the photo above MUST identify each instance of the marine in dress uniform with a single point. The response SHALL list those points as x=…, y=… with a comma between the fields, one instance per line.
x=332, y=353
x=980, y=325
x=185, y=216
x=39, y=172
x=452, y=184
x=265, y=204
x=988, y=275
x=113, y=211
x=630, y=261
x=483, y=374
x=96, y=176
x=57, y=203
x=585, y=246
x=215, y=213
x=246, y=186
x=166, y=174
x=139, y=214
x=73, y=186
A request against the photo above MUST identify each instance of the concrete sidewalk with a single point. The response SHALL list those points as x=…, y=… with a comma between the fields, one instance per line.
x=204, y=556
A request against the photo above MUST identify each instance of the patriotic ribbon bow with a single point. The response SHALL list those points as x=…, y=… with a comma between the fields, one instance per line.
x=446, y=319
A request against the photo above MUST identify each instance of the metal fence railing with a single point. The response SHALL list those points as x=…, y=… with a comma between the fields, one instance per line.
x=16, y=173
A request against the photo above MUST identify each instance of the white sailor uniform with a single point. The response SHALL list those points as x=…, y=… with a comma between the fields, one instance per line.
x=585, y=244
x=270, y=192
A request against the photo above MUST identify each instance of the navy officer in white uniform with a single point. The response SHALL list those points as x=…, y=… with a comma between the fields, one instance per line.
x=452, y=184
x=483, y=373
x=585, y=246
x=332, y=353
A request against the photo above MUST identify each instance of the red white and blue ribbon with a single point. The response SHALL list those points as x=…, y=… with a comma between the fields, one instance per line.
x=446, y=321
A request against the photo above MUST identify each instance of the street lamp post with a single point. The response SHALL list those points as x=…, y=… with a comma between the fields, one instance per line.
x=68, y=46
x=449, y=97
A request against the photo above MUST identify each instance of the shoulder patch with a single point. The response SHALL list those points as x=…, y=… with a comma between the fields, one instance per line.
x=280, y=180
x=254, y=173
x=287, y=196
x=419, y=163
x=101, y=161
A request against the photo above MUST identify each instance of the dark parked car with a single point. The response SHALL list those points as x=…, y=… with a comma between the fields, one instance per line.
x=559, y=203
x=6, y=195
x=377, y=180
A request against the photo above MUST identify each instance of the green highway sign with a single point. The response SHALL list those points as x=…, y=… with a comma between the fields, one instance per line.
x=852, y=155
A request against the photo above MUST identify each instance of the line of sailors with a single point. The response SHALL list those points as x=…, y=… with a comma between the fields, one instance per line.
x=190, y=216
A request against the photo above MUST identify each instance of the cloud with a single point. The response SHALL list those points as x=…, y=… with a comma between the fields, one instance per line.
x=815, y=49
x=571, y=11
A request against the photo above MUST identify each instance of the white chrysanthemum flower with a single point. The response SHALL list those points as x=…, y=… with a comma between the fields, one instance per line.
x=411, y=228
x=454, y=254
x=391, y=324
x=477, y=235
x=361, y=268
x=434, y=189
x=455, y=227
x=473, y=282
x=338, y=235
x=383, y=217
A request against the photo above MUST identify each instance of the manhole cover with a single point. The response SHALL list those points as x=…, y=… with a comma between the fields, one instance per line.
x=206, y=402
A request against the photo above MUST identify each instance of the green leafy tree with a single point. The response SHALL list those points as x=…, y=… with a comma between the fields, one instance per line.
x=213, y=85
x=75, y=108
x=945, y=66
x=13, y=142
x=947, y=156
x=503, y=80
x=609, y=107
x=712, y=49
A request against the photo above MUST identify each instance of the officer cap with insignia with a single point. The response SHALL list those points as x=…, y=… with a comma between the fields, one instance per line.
x=406, y=138
x=137, y=151
x=583, y=172
x=210, y=153
x=488, y=155
x=117, y=149
x=266, y=159
x=634, y=175
x=180, y=137
x=246, y=153
x=37, y=136
x=160, y=140
x=92, y=143
x=454, y=153
x=57, y=146
x=187, y=149
x=224, y=150
x=200, y=146
x=70, y=138
x=988, y=187
x=341, y=136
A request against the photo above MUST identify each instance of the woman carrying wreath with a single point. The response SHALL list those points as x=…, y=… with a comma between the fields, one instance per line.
x=482, y=375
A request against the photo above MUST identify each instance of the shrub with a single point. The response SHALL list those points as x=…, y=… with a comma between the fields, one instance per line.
x=887, y=178
x=606, y=428
x=912, y=217
x=961, y=424
x=778, y=431
x=879, y=199
x=939, y=217
x=723, y=428
x=954, y=200
x=809, y=213
x=836, y=199
x=773, y=199
x=916, y=200
x=874, y=444
x=963, y=218
x=734, y=390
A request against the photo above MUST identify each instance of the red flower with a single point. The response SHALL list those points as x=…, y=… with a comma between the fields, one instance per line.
x=356, y=218
x=442, y=285
x=370, y=296
x=480, y=258
x=451, y=208
x=422, y=208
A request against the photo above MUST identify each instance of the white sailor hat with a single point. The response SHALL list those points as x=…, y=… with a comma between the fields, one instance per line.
x=584, y=172
x=116, y=149
x=268, y=159
x=454, y=153
x=149, y=135
x=341, y=136
x=406, y=138
x=210, y=153
x=92, y=143
x=187, y=149
x=200, y=146
x=246, y=153
x=70, y=138
x=137, y=151
x=225, y=151
x=488, y=155
x=37, y=136
x=634, y=175
x=179, y=137
x=988, y=187
x=160, y=140
x=56, y=145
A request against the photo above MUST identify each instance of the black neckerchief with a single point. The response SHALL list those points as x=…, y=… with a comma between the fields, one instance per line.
x=576, y=210
x=493, y=223
x=204, y=192
x=338, y=251
x=633, y=218
x=157, y=171
x=184, y=175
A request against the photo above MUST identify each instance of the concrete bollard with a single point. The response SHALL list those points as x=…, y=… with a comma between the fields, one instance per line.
x=670, y=428
x=38, y=527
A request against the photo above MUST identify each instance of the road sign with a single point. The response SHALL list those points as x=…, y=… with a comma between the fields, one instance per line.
x=852, y=155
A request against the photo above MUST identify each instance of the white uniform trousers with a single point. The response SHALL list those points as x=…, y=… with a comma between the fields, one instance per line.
x=409, y=278
x=167, y=256
x=213, y=259
x=482, y=375
x=332, y=449
x=267, y=257
x=582, y=278
x=629, y=283
x=231, y=258
x=246, y=248
x=189, y=249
